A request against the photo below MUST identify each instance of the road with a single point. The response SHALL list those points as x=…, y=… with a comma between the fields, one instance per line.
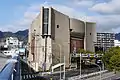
x=72, y=73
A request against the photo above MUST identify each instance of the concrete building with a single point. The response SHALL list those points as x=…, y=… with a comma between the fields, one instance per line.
x=53, y=35
x=105, y=41
x=116, y=43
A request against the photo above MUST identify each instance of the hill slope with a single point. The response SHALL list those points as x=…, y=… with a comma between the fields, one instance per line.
x=21, y=35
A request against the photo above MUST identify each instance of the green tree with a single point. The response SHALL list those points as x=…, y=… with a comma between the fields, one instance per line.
x=109, y=56
x=85, y=51
x=115, y=62
x=89, y=52
x=81, y=51
x=99, y=52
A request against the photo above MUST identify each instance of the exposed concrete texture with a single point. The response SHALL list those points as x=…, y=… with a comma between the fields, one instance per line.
x=60, y=30
x=62, y=34
x=90, y=36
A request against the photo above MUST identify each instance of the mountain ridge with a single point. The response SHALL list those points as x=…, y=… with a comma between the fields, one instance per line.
x=21, y=35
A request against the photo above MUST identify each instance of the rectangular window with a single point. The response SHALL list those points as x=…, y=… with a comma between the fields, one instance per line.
x=45, y=28
x=45, y=21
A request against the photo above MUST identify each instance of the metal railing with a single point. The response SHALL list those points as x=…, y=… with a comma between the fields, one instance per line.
x=11, y=70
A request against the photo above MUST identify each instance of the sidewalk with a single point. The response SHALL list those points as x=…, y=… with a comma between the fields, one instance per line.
x=91, y=76
x=104, y=76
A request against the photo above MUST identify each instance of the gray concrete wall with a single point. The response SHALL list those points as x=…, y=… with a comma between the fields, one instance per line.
x=34, y=32
x=77, y=25
x=90, y=36
x=30, y=56
x=61, y=35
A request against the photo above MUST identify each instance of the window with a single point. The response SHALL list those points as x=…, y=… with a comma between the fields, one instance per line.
x=90, y=33
x=45, y=28
x=45, y=21
x=57, y=26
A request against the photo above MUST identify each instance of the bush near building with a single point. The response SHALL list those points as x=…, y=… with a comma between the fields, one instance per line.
x=85, y=51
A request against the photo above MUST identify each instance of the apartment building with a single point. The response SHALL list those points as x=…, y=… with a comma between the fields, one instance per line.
x=53, y=35
x=105, y=41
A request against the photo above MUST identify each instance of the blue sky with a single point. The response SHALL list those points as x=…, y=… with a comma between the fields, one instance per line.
x=17, y=14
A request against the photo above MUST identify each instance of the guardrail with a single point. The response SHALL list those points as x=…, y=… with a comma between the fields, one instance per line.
x=86, y=55
x=11, y=70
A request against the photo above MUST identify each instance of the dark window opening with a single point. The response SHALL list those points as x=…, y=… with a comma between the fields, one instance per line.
x=71, y=30
x=90, y=33
x=45, y=21
x=57, y=26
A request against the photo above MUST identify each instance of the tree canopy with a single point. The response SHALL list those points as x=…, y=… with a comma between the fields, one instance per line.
x=115, y=62
x=111, y=59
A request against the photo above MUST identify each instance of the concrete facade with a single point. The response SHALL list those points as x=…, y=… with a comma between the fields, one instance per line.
x=49, y=44
x=60, y=35
x=90, y=36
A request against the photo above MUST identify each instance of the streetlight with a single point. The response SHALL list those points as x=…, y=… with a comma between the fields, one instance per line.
x=98, y=67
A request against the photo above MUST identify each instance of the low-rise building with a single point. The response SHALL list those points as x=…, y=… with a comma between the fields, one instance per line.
x=12, y=42
x=11, y=45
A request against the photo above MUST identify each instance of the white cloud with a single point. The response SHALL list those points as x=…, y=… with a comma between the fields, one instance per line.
x=104, y=22
x=32, y=11
x=111, y=7
x=84, y=3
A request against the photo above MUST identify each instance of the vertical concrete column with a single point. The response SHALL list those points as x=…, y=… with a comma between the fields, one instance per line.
x=29, y=45
x=49, y=51
x=42, y=53
x=90, y=36
x=85, y=35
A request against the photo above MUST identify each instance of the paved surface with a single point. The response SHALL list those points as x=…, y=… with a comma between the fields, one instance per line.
x=106, y=76
x=72, y=73
x=113, y=77
x=3, y=60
